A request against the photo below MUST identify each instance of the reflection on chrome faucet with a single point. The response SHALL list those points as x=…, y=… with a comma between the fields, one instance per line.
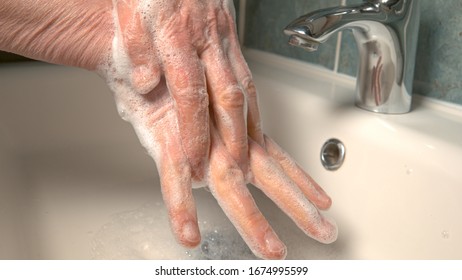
x=386, y=34
x=376, y=88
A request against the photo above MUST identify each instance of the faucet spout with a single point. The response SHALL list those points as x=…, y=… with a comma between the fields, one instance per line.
x=386, y=36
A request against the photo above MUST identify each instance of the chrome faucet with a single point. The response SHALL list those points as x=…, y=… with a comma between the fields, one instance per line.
x=386, y=35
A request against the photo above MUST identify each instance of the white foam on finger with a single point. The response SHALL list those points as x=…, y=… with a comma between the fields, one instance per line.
x=271, y=179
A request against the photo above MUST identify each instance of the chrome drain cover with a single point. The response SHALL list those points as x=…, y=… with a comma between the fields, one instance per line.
x=332, y=154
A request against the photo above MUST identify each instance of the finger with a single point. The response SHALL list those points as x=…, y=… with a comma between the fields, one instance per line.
x=309, y=187
x=186, y=81
x=227, y=100
x=175, y=175
x=177, y=193
x=254, y=126
x=244, y=76
x=154, y=119
x=139, y=46
x=228, y=186
x=271, y=179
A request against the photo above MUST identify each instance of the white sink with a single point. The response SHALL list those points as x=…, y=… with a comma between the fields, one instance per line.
x=76, y=184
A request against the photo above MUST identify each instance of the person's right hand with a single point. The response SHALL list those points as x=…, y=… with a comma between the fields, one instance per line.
x=155, y=120
x=194, y=45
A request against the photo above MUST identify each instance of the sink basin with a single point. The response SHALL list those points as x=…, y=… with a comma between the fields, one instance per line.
x=76, y=184
x=398, y=194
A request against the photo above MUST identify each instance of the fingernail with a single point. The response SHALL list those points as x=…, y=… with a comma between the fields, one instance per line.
x=332, y=231
x=191, y=233
x=326, y=202
x=326, y=231
x=273, y=244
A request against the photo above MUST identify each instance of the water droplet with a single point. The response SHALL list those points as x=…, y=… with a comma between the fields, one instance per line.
x=123, y=115
x=146, y=247
x=445, y=234
x=409, y=170
x=205, y=247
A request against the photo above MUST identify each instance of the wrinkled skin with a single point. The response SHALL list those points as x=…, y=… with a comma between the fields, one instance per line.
x=194, y=45
x=155, y=120
x=208, y=99
x=179, y=77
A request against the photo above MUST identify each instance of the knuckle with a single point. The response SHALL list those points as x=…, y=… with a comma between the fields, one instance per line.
x=231, y=98
x=250, y=89
x=238, y=147
x=254, y=219
x=226, y=175
x=255, y=126
x=230, y=173
x=192, y=97
x=240, y=142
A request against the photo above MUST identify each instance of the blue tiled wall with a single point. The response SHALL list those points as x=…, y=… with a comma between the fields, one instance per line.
x=265, y=20
x=439, y=56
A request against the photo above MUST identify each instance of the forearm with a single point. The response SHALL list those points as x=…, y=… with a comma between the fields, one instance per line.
x=72, y=32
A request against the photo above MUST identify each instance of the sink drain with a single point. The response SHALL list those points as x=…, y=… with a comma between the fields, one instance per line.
x=332, y=154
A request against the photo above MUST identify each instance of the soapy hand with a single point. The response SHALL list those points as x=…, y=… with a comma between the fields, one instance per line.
x=193, y=44
x=155, y=120
x=179, y=77
x=182, y=82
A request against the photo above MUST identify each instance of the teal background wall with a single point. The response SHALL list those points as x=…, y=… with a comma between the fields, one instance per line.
x=438, y=71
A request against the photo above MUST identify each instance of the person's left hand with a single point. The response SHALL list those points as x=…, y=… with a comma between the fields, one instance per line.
x=156, y=122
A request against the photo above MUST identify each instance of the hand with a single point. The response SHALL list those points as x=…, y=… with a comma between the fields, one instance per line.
x=155, y=119
x=194, y=45
x=166, y=61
